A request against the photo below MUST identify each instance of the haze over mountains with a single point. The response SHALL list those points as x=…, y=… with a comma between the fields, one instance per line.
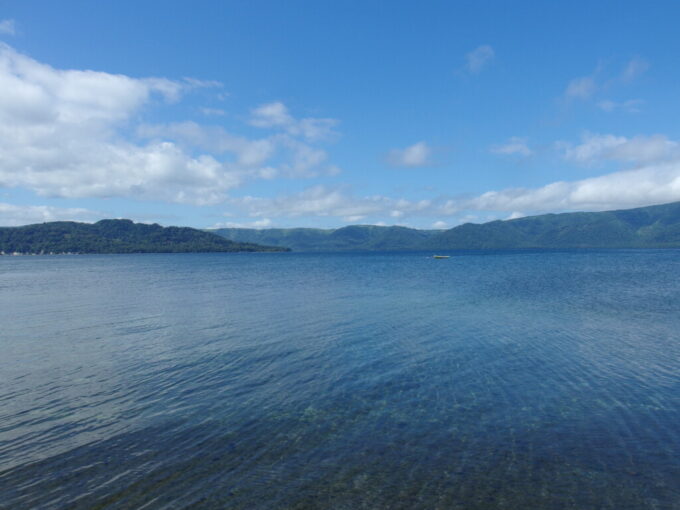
x=645, y=227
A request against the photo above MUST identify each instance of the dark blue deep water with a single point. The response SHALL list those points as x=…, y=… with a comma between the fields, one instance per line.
x=504, y=380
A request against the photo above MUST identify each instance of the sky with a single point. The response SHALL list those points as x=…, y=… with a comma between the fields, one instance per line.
x=321, y=114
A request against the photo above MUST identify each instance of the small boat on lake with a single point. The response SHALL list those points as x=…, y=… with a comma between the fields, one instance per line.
x=441, y=256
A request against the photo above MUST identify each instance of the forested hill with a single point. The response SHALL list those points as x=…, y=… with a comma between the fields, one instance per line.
x=350, y=238
x=645, y=227
x=115, y=236
x=655, y=226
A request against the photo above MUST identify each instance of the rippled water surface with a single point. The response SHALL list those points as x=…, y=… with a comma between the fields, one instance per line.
x=341, y=381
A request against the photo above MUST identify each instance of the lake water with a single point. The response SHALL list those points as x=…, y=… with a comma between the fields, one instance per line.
x=502, y=380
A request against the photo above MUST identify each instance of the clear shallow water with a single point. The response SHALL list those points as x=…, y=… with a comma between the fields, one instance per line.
x=344, y=381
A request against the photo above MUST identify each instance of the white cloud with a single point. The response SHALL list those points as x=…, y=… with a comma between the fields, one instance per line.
x=317, y=200
x=251, y=156
x=633, y=69
x=271, y=115
x=479, y=57
x=629, y=106
x=325, y=201
x=16, y=215
x=275, y=115
x=416, y=155
x=639, y=149
x=8, y=27
x=171, y=90
x=652, y=184
x=306, y=161
x=515, y=145
x=62, y=134
x=655, y=181
x=261, y=223
x=202, y=84
x=591, y=148
x=248, y=153
x=439, y=225
x=581, y=88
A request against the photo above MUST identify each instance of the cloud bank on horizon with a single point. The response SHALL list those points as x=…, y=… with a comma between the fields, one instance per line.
x=79, y=144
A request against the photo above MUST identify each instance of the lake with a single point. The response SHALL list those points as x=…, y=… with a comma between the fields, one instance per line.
x=510, y=380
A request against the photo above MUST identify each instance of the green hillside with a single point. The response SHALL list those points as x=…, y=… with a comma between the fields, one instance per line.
x=350, y=238
x=297, y=239
x=115, y=236
x=645, y=227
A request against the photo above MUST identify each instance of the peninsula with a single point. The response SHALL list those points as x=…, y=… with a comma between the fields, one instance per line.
x=115, y=236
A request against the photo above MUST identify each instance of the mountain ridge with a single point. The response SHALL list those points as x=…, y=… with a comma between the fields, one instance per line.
x=656, y=226
x=115, y=236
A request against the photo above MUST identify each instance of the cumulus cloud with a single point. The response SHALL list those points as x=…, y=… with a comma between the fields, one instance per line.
x=271, y=115
x=654, y=179
x=15, y=215
x=305, y=161
x=596, y=148
x=63, y=134
x=276, y=116
x=515, y=145
x=247, y=152
x=416, y=155
x=326, y=201
x=653, y=184
x=478, y=58
x=250, y=157
x=60, y=136
x=8, y=27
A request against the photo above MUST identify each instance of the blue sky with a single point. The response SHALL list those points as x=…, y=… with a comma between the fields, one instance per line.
x=292, y=113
